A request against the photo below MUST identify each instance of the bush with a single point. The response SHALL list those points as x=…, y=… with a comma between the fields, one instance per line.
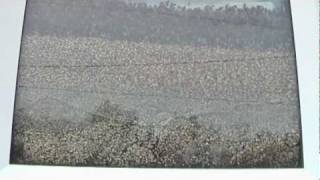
x=116, y=139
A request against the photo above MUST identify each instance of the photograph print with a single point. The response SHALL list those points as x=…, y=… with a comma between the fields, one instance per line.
x=157, y=84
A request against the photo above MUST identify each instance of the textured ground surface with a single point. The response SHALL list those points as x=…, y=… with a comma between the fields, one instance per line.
x=87, y=101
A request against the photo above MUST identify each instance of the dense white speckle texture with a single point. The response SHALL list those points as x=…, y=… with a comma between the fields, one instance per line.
x=89, y=101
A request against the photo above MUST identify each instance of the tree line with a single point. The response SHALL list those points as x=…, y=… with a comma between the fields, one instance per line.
x=168, y=23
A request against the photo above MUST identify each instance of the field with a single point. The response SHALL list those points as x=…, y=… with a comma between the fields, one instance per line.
x=91, y=101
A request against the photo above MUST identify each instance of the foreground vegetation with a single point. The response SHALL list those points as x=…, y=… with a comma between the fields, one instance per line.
x=113, y=137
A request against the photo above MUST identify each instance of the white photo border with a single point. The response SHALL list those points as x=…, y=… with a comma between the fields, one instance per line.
x=305, y=16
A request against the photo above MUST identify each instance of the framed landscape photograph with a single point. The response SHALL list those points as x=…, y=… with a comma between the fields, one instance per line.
x=159, y=89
